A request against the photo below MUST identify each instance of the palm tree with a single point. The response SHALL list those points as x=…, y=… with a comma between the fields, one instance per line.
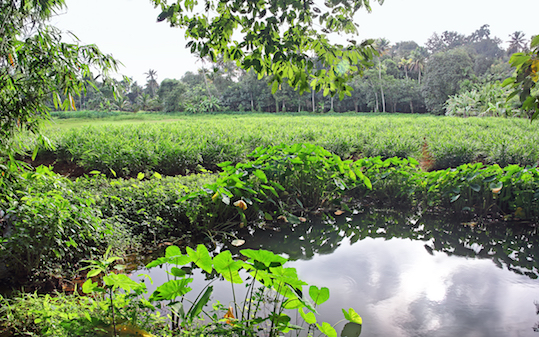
x=151, y=76
x=381, y=46
x=404, y=63
x=517, y=43
x=417, y=62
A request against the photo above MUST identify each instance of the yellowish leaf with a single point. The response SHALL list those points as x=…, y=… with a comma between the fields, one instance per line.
x=241, y=204
x=229, y=316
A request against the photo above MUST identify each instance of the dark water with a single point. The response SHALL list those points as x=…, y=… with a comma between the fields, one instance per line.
x=411, y=275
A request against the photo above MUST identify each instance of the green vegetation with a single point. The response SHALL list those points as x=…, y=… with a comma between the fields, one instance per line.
x=116, y=304
x=205, y=141
x=278, y=169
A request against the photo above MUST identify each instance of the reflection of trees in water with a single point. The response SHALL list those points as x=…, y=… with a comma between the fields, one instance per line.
x=515, y=246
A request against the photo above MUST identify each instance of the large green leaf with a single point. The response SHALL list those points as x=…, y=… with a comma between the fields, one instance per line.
x=226, y=266
x=172, y=289
x=201, y=257
x=122, y=281
x=309, y=317
x=352, y=316
x=318, y=296
x=267, y=258
x=196, y=309
x=327, y=329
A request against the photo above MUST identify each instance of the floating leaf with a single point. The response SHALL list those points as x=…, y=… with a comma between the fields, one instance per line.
x=496, y=188
x=339, y=212
x=351, y=330
x=238, y=242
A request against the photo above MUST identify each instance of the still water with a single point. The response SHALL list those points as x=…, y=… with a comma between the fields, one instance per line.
x=410, y=275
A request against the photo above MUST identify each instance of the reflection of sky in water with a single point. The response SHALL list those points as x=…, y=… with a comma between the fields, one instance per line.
x=401, y=290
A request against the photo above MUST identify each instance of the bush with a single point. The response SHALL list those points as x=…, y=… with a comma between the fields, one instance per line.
x=486, y=100
x=50, y=226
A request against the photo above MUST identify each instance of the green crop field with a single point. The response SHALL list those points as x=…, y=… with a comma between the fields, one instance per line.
x=129, y=146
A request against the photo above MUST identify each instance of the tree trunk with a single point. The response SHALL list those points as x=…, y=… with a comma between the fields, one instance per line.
x=276, y=106
x=314, y=108
x=412, y=106
x=381, y=86
x=331, y=103
x=207, y=87
x=252, y=103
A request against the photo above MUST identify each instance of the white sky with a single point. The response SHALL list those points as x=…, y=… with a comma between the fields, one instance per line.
x=128, y=30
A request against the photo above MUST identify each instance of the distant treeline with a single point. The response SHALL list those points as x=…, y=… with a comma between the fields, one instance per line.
x=405, y=77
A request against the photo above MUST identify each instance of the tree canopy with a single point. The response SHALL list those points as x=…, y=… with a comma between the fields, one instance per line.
x=282, y=38
x=37, y=67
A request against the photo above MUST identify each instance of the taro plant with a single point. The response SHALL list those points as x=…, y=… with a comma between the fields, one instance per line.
x=128, y=310
x=273, y=292
x=284, y=179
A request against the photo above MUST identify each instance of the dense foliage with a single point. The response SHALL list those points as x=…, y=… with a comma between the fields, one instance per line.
x=36, y=65
x=277, y=38
x=405, y=77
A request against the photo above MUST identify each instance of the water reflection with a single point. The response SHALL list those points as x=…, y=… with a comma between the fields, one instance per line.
x=412, y=275
x=514, y=247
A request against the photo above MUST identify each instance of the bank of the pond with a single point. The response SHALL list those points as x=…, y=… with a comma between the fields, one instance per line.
x=65, y=221
x=406, y=274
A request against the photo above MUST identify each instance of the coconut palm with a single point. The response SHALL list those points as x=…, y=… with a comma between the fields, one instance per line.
x=381, y=46
x=417, y=62
x=405, y=63
x=152, y=84
x=517, y=43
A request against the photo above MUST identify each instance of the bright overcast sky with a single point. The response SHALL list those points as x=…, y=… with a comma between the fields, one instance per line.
x=128, y=30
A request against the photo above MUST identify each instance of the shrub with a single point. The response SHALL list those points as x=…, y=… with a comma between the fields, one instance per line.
x=51, y=227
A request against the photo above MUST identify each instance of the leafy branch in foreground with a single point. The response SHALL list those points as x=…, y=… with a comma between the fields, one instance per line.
x=278, y=38
x=525, y=82
x=35, y=64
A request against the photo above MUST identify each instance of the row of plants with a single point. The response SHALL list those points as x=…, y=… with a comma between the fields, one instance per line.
x=194, y=142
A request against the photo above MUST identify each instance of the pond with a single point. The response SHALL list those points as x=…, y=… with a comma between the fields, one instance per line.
x=410, y=275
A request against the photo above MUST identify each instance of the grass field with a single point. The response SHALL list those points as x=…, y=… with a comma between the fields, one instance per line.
x=169, y=144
